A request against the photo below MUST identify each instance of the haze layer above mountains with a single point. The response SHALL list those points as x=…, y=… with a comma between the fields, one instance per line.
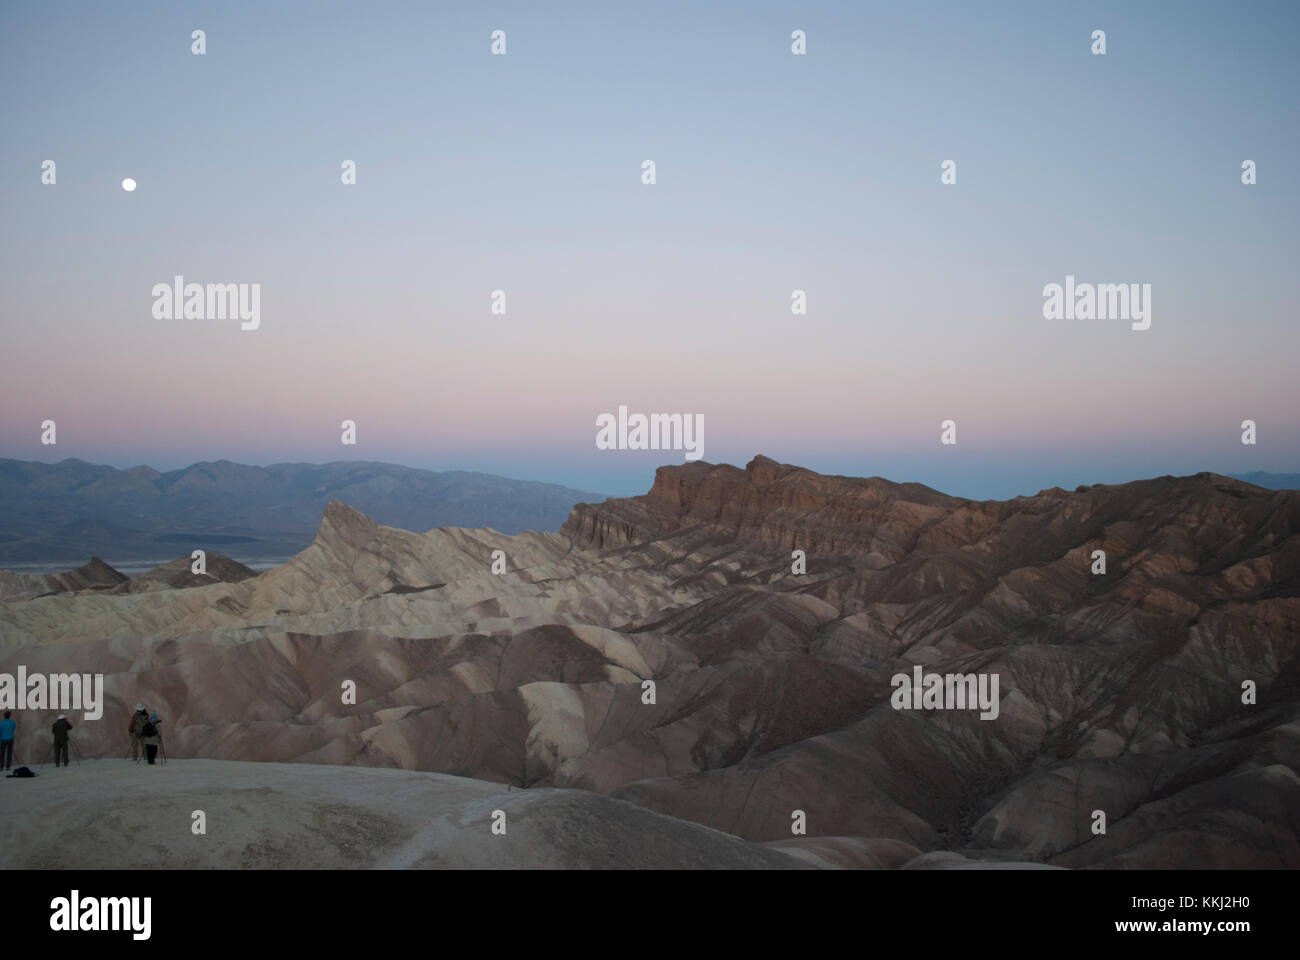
x=68, y=511
x=1119, y=692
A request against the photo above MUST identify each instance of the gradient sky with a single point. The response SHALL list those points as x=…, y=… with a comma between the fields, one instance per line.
x=775, y=172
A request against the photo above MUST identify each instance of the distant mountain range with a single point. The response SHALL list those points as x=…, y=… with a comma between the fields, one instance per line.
x=71, y=510
x=1271, y=481
x=65, y=513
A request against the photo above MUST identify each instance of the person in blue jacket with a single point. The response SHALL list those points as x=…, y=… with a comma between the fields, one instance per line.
x=6, y=742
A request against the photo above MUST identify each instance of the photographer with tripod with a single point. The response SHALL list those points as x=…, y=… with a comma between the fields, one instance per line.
x=151, y=737
x=138, y=719
x=61, y=729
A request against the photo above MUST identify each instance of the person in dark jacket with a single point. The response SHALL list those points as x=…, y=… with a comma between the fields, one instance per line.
x=150, y=732
x=61, y=728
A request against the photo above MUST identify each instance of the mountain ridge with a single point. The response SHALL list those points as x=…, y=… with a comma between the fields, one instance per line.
x=60, y=512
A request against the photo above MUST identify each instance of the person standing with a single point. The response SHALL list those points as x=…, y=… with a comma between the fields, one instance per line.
x=138, y=720
x=149, y=733
x=6, y=742
x=61, y=728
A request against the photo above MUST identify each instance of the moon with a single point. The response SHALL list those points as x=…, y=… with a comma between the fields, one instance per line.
x=128, y=184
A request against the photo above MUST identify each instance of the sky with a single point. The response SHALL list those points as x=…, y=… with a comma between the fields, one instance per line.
x=775, y=172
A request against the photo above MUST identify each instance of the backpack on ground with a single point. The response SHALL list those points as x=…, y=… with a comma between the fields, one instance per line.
x=23, y=772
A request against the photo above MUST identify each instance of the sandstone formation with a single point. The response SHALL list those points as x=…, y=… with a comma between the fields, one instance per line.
x=180, y=573
x=1119, y=692
x=95, y=575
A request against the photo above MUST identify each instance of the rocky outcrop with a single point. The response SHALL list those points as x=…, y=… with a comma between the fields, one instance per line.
x=95, y=575
x=179, y=574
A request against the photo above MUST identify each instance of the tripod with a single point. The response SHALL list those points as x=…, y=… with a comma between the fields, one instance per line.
x=75, y=752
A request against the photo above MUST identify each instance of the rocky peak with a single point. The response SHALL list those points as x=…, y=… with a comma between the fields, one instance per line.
x=342, y=525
